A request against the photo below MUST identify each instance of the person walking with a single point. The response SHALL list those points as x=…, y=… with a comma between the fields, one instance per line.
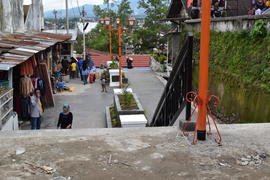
x=80, y=65
x=85, y=72
x=65, y=118
x=36, y=110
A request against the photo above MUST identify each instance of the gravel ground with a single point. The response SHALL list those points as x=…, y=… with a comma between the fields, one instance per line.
x=139, y=153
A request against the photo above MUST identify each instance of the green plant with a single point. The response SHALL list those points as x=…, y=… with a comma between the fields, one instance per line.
x=115, y=121
x=128, y=97
x=114, y=64
x=259, y=31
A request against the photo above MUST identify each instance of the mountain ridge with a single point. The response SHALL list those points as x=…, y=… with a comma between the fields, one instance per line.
x=89, y=8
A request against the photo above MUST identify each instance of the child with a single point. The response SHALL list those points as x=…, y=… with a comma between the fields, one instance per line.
x=103, y=83
x=65, y=118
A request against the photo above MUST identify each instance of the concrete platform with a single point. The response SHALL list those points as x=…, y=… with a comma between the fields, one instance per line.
x=137, y=153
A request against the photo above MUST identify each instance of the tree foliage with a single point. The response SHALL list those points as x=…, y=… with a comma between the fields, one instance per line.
x=98, y=38
x=152, y=34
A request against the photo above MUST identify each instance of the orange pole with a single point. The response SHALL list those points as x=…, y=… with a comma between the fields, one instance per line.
x=110, y=34
x=204, y=59
x=120, y=54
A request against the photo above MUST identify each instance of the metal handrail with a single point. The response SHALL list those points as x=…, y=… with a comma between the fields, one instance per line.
x=172, y=101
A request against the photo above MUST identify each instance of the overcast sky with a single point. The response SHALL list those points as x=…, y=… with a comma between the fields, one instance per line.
x=60, y=4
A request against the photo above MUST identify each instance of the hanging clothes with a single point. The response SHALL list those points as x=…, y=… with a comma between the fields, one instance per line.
x=25, y=107
x=26, y=86
x=27, y=68
x=41, y=86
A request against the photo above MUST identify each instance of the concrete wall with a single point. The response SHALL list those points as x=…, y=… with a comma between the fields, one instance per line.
x=35, y=18
x=236, y=23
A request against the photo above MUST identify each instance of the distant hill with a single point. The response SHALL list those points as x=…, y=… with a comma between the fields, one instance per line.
x=75, y=12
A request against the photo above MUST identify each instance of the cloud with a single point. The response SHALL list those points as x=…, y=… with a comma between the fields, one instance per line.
x=61, y=4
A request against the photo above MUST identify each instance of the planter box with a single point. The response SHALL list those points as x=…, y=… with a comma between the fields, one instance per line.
x=108, y=117
x=120, y=111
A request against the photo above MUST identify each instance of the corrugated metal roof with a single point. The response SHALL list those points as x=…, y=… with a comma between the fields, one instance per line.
x=22, y=46
x=6, y=67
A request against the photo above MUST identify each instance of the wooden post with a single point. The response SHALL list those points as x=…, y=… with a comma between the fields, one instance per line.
x=204, y=58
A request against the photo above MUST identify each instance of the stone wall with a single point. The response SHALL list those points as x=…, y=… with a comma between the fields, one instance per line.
x=232, y=24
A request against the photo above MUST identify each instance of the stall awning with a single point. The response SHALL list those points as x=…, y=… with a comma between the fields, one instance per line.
x=6, y=67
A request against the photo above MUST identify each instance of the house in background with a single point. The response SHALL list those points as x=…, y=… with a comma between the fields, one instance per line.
x=187, y=18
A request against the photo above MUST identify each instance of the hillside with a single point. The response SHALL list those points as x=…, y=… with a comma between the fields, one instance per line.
x=75, y=12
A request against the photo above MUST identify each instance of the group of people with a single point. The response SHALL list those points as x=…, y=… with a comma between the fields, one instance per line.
x=87, y=70
x=259, y=6
x=65, y=118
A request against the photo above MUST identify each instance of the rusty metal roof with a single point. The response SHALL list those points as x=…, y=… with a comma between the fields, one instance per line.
x=22, y=46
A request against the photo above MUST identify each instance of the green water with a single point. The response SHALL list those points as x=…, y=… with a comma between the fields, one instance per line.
x=239, y=103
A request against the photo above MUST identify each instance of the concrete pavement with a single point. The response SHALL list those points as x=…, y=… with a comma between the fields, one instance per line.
x=148, y=88
x=88, y=103
x=136, y=153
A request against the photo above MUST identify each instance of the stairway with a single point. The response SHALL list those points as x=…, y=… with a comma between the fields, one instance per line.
x=138, y=60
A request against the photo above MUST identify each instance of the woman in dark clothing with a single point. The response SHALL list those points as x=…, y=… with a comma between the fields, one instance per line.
x=65, y=118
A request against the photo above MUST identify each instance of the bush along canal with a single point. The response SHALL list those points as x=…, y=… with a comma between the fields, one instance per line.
x=239, y=74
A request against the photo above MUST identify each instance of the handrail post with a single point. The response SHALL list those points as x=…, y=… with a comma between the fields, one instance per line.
x=188, y=69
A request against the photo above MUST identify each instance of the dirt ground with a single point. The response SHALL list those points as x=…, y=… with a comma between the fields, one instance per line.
x=139, y=153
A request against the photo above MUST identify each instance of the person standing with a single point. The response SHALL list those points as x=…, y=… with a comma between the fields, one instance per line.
x=65, y=118
x=73, y=67
x=103, y=84
x=36, y=110
x=80, y=65
x=85, y=72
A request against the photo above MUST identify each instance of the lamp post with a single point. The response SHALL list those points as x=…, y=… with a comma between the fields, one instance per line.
x=107, y=22
x=120, y=30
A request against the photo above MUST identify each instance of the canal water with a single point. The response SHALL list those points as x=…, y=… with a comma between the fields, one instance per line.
x=239, y=103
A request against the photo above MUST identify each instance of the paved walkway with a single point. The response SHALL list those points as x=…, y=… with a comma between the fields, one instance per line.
x=88, y=103
x=148, y=88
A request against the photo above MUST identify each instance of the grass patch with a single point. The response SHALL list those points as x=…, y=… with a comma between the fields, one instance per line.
x=127, y=101
x=243, y=55
x=115, y=121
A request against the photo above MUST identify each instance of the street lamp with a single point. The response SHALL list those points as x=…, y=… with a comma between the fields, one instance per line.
x=131, y=21
x=120, y=30
x=101, y=21
x=107, y=22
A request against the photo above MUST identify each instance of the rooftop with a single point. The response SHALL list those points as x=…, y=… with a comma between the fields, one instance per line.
x=137, y=153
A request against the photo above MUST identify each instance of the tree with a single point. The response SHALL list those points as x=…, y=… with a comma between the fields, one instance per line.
x=152, y=34
x=98, y=38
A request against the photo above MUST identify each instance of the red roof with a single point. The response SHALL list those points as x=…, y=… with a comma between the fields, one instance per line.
x=97, y=53
x=138, y=60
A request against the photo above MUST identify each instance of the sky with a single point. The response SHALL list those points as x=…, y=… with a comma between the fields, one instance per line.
x=60, y=4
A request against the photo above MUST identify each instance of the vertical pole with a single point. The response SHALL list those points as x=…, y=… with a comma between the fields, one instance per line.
x=67, y=19
x=110, y=37
x=203, y=83
x=55, y=20
x=120, y=54
x=83, y=18
x=188, y=68
x=10, y=78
